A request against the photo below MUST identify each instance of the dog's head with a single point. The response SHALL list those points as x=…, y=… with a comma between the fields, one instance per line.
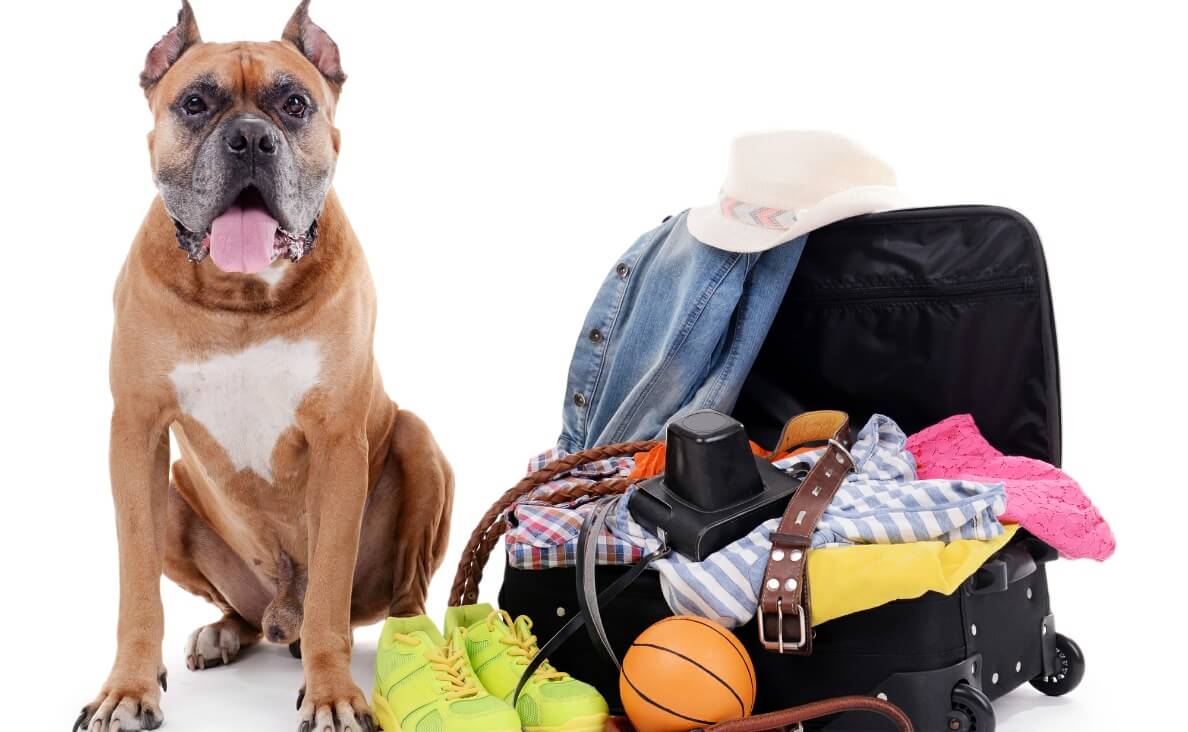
x=244, y=146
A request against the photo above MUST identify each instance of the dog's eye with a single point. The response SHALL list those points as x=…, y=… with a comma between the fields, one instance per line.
x=295, y=106
x=194, y=104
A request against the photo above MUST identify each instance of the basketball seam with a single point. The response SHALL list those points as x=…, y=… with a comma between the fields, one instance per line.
x=742, y=709
x=730, y=641
x=653, y=702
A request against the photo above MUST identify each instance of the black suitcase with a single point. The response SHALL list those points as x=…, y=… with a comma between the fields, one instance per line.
x=920, y=315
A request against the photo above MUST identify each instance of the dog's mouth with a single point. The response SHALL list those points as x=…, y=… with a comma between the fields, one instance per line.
x=246, y=237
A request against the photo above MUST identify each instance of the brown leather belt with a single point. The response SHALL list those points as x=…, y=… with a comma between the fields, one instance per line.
x=785, y=607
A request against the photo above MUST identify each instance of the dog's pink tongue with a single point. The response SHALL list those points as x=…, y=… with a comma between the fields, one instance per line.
x=242, y=239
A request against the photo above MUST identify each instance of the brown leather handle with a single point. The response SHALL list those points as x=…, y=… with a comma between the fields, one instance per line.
x=492, y=525
x=785, y=718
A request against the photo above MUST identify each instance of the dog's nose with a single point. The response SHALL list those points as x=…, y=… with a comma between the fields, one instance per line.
x=250, y=136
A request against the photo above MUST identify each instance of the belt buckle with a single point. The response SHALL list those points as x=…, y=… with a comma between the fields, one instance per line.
x=779, y=644
x=845, y=451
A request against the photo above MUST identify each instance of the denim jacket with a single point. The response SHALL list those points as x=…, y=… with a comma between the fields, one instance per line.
x=675, y=327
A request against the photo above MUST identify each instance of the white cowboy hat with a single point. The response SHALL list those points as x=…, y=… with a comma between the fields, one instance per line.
x=780, y=185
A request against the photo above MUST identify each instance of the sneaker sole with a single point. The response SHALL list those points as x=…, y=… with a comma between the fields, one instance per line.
x=387, y=719
x=591, y=723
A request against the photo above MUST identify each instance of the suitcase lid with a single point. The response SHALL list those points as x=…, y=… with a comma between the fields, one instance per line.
x=918, y=314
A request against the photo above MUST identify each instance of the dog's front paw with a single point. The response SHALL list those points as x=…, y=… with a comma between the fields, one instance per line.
x=333, y=704
x=124, y=705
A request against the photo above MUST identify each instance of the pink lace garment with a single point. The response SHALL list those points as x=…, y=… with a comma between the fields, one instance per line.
x=1040, y=498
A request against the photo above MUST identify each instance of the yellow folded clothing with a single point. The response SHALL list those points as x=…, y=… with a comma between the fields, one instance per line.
x=849, y=579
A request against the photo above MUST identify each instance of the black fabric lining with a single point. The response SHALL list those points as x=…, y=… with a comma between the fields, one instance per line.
x=906, y=314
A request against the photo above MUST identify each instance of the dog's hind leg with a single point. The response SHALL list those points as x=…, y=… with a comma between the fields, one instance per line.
x=219, y=643
x=198, y=560
x=424, y=499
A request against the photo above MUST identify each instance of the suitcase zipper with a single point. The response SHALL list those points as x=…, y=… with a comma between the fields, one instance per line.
x=890, y=294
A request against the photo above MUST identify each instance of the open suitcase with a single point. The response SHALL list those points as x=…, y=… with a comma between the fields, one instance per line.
x=918, y=314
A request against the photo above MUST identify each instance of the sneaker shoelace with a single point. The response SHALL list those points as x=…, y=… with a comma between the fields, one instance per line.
x=523, y=644
x=450, y=665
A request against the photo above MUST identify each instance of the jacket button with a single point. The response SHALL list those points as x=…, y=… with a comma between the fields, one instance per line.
x=623, y=270
x=579, y=399
x=596, y=335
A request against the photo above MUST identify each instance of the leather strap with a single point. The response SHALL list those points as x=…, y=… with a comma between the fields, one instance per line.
x=795, y=717
x=785, y=608
x=587, y=589
x=586, y=585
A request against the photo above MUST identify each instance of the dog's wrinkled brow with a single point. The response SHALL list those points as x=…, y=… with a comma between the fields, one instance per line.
x=206, y=85
x=282, y=84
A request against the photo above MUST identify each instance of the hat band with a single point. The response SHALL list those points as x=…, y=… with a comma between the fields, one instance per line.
x=765, y=217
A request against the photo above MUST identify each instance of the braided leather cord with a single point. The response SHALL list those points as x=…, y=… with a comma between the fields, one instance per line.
x=486, y=535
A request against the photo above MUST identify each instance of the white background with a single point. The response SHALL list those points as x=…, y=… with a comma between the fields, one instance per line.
x=497, y=158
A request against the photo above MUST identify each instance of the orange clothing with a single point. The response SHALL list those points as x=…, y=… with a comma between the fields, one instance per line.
x=651, y=463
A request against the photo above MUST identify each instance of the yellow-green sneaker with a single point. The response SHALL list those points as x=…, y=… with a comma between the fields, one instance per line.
x=500, y=648
x=424, y=683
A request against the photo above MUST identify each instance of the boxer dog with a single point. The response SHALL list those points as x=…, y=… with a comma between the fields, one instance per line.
x=305, y=502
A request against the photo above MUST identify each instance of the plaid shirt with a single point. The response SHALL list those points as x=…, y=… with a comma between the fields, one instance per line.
x=544, y=536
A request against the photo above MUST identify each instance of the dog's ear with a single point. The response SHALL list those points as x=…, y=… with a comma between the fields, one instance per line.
x=316, y=44
x=171, y=46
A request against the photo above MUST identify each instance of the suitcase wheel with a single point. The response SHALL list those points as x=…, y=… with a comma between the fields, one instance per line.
x=1070, y=669
x=971, y=712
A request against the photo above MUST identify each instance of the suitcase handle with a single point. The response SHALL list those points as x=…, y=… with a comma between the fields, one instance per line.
x=1016, y=562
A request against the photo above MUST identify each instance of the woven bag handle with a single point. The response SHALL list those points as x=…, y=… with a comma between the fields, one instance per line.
x=492, y=525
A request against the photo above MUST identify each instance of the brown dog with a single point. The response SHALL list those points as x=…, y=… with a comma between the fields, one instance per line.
x=304, y=502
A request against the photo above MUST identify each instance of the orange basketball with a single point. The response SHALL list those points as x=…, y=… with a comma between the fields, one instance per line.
x=684, y=673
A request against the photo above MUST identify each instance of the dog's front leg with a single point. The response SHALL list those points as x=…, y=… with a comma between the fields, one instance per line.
x=335, y=495
x=139, y=458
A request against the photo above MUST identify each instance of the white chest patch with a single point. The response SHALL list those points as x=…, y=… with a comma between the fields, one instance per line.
x=247, y=400
x=274, y=273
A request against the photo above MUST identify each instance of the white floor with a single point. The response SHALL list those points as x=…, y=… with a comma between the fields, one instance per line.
x=60, y=619
x=259, y=693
